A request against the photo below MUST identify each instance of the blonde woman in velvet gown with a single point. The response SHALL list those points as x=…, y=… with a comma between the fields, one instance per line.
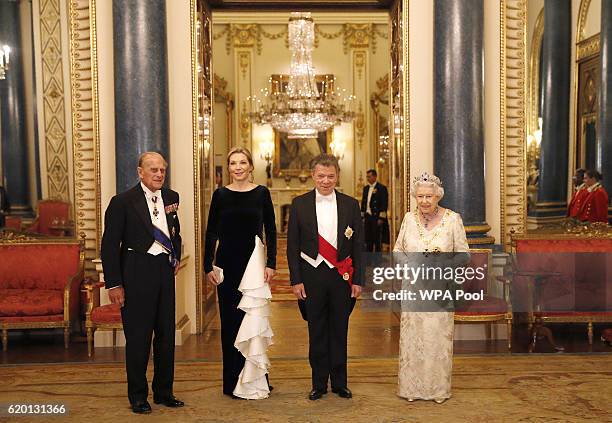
x=426, y=338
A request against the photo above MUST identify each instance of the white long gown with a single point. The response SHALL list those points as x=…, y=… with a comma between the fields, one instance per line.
x=426, y=338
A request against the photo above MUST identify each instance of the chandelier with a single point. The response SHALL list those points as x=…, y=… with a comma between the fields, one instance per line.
x=4, y=61
x=301, y=108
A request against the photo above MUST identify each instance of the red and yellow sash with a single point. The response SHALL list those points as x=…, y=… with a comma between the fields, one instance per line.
x=330, y=253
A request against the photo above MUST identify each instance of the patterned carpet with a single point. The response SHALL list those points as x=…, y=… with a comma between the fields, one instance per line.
x=536, y=388
x=281, y=290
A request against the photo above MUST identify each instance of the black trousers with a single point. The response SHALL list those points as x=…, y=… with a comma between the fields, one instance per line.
x=149, y=309
x=372, y=233
x=328, y=305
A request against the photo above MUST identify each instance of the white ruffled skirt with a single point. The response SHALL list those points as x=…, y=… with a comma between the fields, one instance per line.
x=255, y=334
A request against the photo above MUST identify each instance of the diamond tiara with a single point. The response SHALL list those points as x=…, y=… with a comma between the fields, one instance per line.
x=427, y=178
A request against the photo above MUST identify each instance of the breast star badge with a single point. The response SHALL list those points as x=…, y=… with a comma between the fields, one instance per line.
x=348, y=232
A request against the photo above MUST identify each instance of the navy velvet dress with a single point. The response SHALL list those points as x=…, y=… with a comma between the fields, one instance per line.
x=234, y=219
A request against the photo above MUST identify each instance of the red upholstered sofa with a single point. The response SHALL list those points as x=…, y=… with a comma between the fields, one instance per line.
x=582, y=291
x=39, y=285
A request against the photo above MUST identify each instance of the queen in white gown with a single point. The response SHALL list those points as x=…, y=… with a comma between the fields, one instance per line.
x=426, y=338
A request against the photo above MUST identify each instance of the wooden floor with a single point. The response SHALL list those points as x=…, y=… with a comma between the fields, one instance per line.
x=371, y=335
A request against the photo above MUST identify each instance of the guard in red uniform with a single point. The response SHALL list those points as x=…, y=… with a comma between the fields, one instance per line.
x=579, y=194
x=595, y=205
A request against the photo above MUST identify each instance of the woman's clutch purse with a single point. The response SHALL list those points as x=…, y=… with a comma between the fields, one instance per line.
x=218, y=273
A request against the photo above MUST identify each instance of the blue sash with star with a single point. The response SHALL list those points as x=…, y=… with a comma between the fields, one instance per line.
x=162, y=239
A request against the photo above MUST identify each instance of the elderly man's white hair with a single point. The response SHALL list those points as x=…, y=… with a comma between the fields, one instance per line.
x=427, y=180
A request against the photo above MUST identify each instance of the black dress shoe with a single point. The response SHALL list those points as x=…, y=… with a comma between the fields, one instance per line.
x=316, y=394
x=141, y=407
x=343, y=392
x=170, y=401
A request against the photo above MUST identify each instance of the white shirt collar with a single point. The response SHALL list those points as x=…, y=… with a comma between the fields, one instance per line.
x=374, y=184
x=148, y=192
x=320, y=197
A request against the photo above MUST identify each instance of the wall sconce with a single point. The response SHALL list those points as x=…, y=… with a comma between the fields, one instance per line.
x=337, y=147
x=4, y=61
x=266, y=152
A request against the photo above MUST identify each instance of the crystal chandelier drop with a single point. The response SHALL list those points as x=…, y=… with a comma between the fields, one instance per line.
x=301, y=109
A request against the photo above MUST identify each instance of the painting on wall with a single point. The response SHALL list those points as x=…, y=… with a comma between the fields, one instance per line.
x=293, y=156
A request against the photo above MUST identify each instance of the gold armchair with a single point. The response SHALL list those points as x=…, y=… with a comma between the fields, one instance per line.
x=97, y=317
x=489, y=309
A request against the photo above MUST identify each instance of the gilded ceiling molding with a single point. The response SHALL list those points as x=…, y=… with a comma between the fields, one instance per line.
x=513, y=118
x=587, y=48
x=376, y=29
x=327, y=35
x=246, y=36
x=85, y=135
x=320, y=17
x=357, y=36
x=220, y=34
x=354, y=35
x=54, y=116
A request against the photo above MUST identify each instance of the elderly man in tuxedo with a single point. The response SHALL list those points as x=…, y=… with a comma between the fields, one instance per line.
x=141, y=249
x=374, y=204
x=324, y=245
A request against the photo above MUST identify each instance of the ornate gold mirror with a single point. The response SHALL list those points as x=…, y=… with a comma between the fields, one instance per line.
x=36, y=163
x=54, y=65
x=398, y=104
x=525, y=98
x=207, y=96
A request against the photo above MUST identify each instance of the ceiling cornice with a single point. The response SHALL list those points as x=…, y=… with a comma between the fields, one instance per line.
x=281, y=18
x=299, y=4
